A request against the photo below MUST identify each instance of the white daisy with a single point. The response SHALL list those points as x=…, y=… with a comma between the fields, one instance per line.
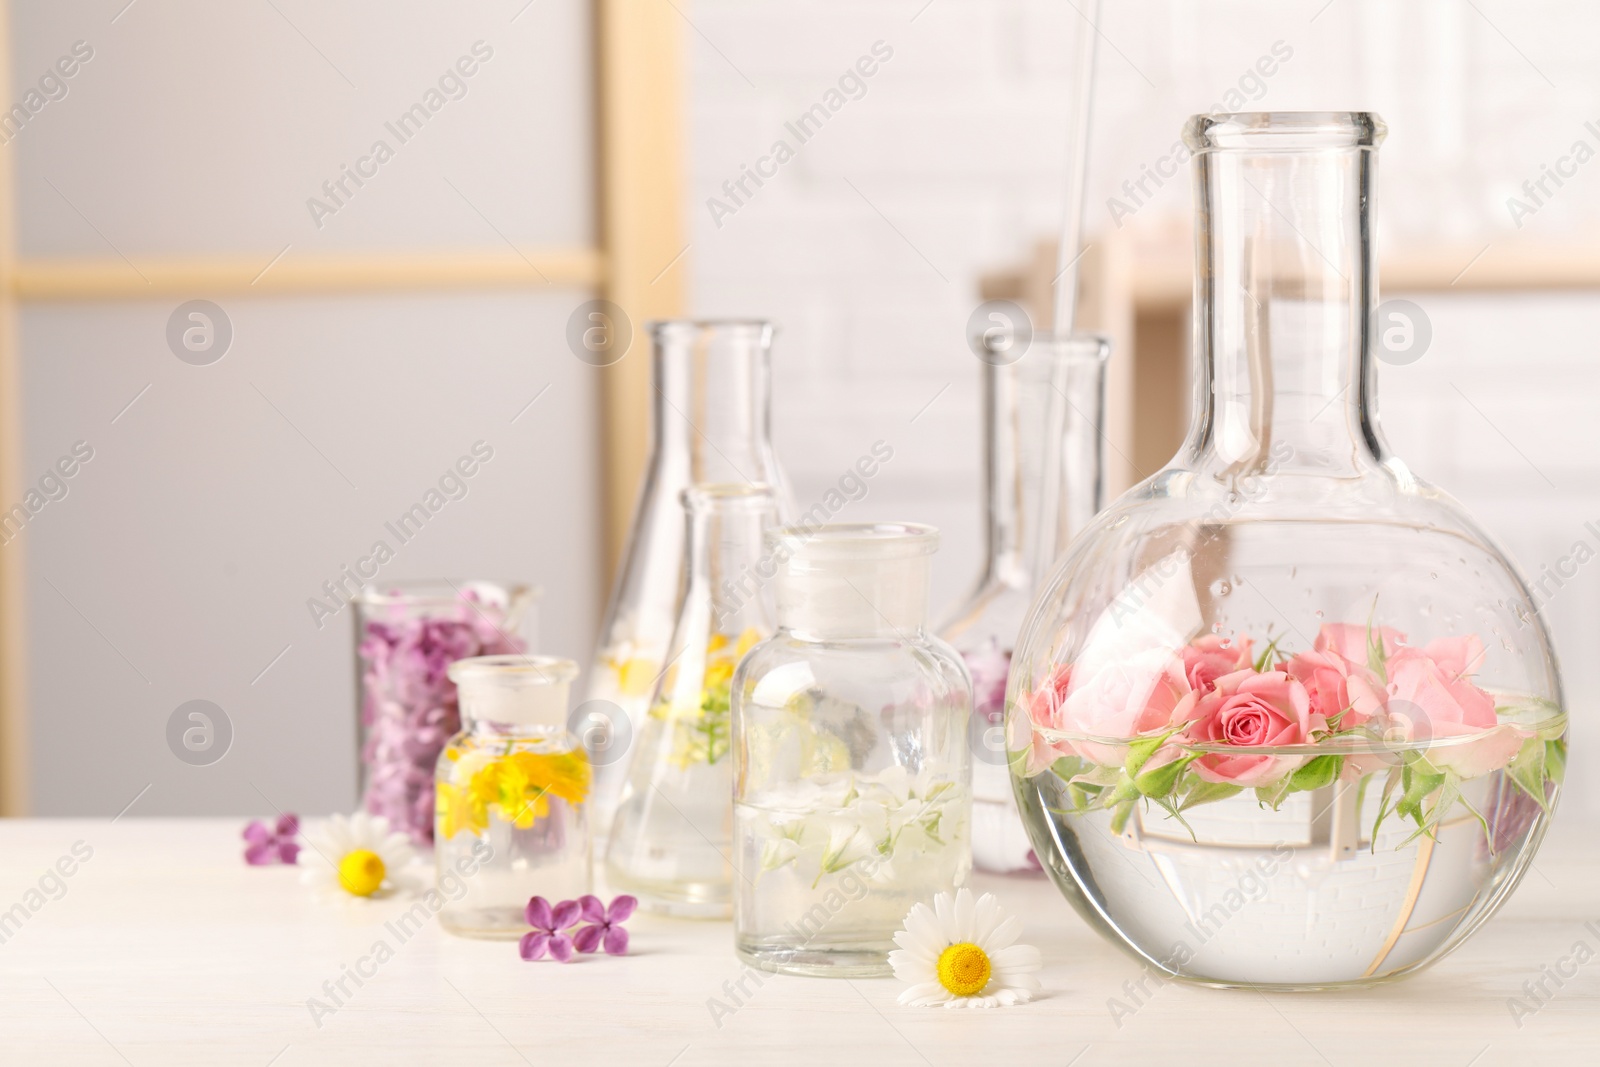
x=357, y=856
x=963, y=954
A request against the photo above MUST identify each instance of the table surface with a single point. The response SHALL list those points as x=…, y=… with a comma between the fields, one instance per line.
x=165, y=948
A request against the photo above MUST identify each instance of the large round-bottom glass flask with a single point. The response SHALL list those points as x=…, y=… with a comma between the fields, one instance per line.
x=1284, y=716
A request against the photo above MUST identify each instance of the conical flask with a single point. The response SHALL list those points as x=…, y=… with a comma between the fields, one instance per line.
x=671, y=837
x=1043, y=480
x=710, y=423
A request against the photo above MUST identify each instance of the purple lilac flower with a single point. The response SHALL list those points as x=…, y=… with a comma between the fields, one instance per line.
x=266, y=845
x=409, y=704
x=989, y=665
x=605, y=924
x=549, y=931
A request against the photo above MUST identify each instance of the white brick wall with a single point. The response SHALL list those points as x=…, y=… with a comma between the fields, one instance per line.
x=958, y=142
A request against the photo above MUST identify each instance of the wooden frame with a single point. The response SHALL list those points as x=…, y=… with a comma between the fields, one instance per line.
x=639, y=265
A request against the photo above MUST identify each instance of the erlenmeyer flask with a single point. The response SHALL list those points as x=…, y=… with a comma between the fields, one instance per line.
x=673, y=829
x=709, y=424
x=1043, y=475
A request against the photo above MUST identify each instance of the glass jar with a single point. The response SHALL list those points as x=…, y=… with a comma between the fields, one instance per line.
x=670, y=840
x=852, y=773
x=407, y=635
x=1043, y=474
x=1284, y=717
x=710, y=423
x=512, y=796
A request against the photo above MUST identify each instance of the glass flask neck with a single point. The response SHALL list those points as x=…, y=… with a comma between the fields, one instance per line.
x=1043, y=415
x=848, y=580
x=711, y=411
x=1284, y=289
x=726, y=527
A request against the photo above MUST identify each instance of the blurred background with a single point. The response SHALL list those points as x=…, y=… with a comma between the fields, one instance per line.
x=370, y=332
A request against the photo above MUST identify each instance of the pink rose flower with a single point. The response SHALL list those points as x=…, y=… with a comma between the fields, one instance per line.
x=1143, y=694
x=1253, y=710
x=1345, y=694
x=1350, y=641
x=1041, y=709
x=1459, y=657
x=1210, y=657
x=1433, y=702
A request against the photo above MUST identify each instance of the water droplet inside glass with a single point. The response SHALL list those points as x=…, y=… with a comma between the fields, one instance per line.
x=1220, y=587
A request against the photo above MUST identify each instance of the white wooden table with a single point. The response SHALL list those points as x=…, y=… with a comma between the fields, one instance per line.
x=166, y=949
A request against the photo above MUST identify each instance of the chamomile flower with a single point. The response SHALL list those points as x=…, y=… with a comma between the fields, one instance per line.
x=357, y=857
x=963, y=953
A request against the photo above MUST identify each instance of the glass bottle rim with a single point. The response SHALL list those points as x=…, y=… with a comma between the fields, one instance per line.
x=513, y=669
x=729, y=496
x=857, y=540
x=442, y=592
x=1283, y=131
x=663, y=330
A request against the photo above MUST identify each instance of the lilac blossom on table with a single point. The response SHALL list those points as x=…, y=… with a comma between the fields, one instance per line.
x=605, y=924
x=409, y=704
x=266, y=845
x=989, y=665
x=549, y=933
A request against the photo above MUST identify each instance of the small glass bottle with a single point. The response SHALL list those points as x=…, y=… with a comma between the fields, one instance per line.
x=511, y=812
x=709, y=423
x=1043, y=481
x=670, y=841
x=407, y=634
x=852, y=770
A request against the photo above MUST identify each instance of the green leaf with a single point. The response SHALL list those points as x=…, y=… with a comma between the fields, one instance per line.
x=1068, y=767
x=1528, y=770
x=1266, y=655
x=1273, y=793
x=1125, y=792
x=1204, y=792
x=1140, y=751
x=1555, y=760
x=1418, y=785
x=1176, y=812
x=1119, y=816
x=1161, y=781
x=1320, y=772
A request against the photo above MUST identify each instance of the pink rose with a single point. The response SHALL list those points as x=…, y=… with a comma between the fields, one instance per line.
x=1212, y=656
x=1143, y=694
x=1041, y=709
x=1351, y=641
x=1459, y=657
x=1256, y=711
x=1433, y=702
x=1345, y=694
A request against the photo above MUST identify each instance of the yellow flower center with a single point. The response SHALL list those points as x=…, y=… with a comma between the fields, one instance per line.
x=964, y=969
x=361, y=873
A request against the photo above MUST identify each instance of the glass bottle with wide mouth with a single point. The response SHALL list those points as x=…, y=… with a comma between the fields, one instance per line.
x=670, y=839
x=511, y=800
x=407, y=635
x=1284, y=717
x=710, y=424
x=1043, y=475
x=852, y=769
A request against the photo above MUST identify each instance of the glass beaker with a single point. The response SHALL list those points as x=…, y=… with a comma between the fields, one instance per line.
x=710, y=423
x=1043, y=473
x=407, y=635
x=669, y=843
